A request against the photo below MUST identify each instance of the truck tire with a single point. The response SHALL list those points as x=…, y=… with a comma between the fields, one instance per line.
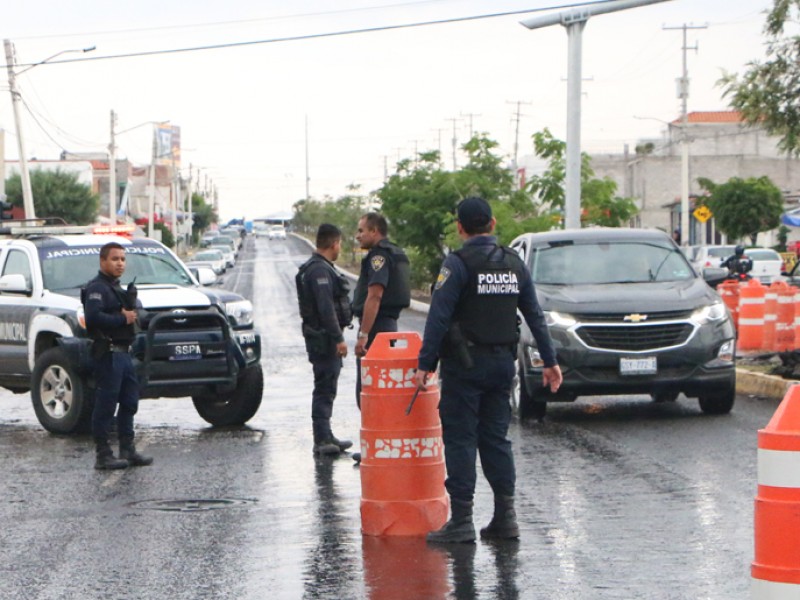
x=530, y=407
x=718, y=404
x=236, y=407
x=62, y=401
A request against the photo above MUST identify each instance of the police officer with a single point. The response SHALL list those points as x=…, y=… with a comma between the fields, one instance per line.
x=110, y=321
x=472, y=328
x=323, y=296
x=383, y=288
x=738, y=263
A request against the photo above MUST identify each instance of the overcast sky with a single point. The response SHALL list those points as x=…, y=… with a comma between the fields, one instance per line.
x=369, y=98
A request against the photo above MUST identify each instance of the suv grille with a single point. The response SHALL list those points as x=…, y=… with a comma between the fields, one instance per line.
x=635, y=338
x=671, y=315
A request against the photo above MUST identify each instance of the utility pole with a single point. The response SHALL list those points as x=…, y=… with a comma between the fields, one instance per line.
x=189, y=207
x=683, y=94
x=517, y=119
x=25, y=178
x=112, y=173
x=151, y=205
x=2, y=165
x=308, y=178
x=455, y=141
x=470, y=115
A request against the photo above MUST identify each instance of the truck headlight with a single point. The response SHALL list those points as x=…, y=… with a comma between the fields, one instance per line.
x=556, y=319
x=710, y=313
x=240, y=312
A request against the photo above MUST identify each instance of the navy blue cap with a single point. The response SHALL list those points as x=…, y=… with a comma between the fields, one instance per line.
x=474, y=212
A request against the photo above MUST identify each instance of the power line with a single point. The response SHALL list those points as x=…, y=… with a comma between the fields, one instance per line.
x=312, y=36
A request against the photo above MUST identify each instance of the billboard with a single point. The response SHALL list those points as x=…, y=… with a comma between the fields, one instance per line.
x=168, y=144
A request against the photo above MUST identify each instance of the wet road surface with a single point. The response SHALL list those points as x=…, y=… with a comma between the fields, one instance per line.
x=617, y=498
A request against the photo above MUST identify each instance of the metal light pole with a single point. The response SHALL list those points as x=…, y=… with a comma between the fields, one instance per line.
x=27, y=193
x=574, y=21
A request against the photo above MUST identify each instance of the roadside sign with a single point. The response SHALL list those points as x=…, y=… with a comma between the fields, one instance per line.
x=702, y=213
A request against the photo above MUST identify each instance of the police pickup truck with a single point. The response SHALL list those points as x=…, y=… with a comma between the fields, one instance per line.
x=191, y=341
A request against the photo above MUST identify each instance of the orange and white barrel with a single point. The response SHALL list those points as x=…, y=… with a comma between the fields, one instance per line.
x=729, y=292
x=751, y=315
x=771, y=319
x=775, y=569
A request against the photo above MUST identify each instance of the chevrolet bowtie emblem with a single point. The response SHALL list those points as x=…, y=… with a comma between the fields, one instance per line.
x=635, y=318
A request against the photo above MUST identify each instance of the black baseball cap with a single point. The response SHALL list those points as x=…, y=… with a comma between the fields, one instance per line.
x=474, y=212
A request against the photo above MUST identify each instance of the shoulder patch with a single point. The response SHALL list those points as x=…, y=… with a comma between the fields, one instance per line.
x=95, y=296
x=377, y=262
x=443, y=275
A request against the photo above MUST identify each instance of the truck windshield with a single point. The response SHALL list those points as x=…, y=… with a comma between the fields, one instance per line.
x=608, y=262
x=73, y=267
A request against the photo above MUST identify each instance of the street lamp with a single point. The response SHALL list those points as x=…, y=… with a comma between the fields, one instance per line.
x=25, y=178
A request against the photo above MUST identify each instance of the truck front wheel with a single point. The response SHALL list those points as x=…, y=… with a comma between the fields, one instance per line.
x=61, y=399
x=236, y=407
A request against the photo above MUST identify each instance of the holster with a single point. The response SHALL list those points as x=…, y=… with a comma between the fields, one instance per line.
x=317, y=340
x=100, y=347
x=456, y=345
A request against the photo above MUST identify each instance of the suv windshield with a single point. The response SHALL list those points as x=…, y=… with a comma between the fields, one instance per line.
x=608, y=262
x=73, y=267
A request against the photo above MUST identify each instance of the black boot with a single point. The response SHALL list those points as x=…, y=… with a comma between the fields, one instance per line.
x=105, y=459
x=343, y=444
x=503, y=525
x=459, y=529
x=127, y=450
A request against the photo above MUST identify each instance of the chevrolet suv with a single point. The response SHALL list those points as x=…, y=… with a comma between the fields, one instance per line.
x=627, y=315
x=194, y=341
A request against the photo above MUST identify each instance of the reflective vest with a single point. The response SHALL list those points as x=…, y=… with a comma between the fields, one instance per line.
x=487, y=309
x=341, y=293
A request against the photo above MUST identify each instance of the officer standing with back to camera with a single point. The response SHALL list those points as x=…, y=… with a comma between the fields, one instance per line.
x=472, y=327
x=383, y=288
x=110, y=322
x=323, y=296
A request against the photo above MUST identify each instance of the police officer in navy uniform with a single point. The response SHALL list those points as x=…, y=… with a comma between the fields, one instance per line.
x=383, y=288
x=472, y=329
x=110, y=322
x=323, y=296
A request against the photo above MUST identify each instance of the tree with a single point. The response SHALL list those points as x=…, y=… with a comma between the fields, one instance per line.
x=57, y=194
x=744, y=207
x=599, y=203
x=766, y=94
x=203, y=215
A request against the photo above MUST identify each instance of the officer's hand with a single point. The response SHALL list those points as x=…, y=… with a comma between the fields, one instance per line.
x=341, y=349
x=421, y=379
x=552, y=378
x=361, y=347
x=130, y=316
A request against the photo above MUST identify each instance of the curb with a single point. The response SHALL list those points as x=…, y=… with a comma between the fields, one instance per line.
x=761, y=385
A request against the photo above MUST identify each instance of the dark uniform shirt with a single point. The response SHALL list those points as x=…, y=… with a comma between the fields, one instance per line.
x=386, y=265
x=321, y=280
x=452, y=281
x=103, y=308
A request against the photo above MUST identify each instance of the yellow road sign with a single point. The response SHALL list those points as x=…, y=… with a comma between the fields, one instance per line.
x=702, y=213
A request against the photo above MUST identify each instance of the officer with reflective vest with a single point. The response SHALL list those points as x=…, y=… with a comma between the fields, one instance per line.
x=383, y=288
x=472, y=328
x=323, y=296
x=110, y=315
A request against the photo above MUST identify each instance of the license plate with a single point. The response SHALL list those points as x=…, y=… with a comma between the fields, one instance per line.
x=186, y=351
x=638, y=366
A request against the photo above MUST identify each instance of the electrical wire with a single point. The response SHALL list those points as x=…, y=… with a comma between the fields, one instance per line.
x=312, y=36
x=36, y=120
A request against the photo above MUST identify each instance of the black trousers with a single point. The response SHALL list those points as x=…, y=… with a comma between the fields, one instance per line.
x=326, y=382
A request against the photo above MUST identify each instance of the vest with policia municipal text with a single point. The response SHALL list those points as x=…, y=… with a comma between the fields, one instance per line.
x=341, y=293
x=487, y=310
x=397, y=294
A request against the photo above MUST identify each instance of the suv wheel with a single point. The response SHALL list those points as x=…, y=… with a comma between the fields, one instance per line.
x=61, y=399
x=530, y=407
x=718, y=404
x=236, y=407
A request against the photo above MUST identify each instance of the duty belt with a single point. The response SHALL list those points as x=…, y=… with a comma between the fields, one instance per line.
x=489, y=348
x=120, y=348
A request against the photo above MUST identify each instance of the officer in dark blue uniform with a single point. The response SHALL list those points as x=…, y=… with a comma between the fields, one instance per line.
x=323, y=296
x=110, y=321
x=383, y=288
x=472, y=328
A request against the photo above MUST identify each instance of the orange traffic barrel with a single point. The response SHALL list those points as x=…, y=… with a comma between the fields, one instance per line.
x=402, y=452
x=751, y=315
x=770, y=319
x=729, y=292
x=796, y=318
x=776, y=567
x=785, y=323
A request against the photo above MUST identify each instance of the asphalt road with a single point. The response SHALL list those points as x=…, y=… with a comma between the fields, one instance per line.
x=617, y=497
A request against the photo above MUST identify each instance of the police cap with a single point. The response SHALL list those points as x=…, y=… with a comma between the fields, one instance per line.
x=474, y=212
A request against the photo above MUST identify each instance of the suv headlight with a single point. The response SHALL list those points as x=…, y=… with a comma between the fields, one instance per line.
x=710, y=313
x=556, y=319
x=240, y=312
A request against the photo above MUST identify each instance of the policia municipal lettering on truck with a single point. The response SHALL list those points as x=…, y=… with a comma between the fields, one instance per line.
x=193, y=341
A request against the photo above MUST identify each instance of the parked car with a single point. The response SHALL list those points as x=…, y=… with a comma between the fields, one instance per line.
x=276, y=232
x=710, y=256
x=224, y=240
x=627, y=315
x=205, y=241
x=214, y=257
x=230, y=258
x=261, y=230
x=767, y=264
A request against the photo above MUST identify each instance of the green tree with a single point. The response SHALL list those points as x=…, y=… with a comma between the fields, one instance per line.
x=203, y=215
x=599, y=203
x=57, y=194
x=766, y=93
x=166, y=235
x=744, y=207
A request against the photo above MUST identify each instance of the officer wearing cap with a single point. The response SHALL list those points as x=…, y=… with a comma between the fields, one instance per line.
x=472, y=329
x=110, y=322
x=323, y=296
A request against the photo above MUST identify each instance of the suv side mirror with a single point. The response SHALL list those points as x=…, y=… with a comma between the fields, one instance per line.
x=204, y=275
x=14, y=284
